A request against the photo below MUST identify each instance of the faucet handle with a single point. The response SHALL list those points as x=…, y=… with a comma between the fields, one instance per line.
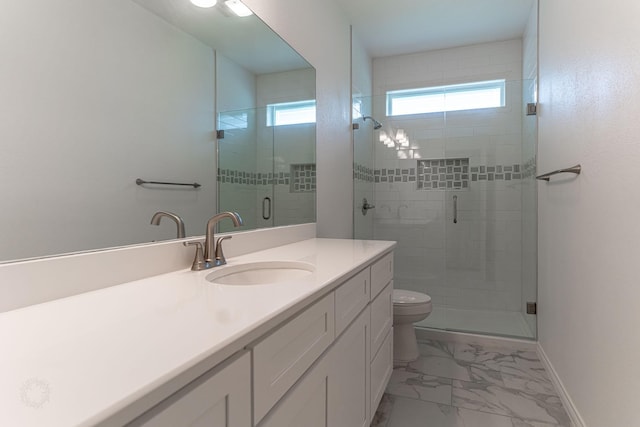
x=198, y=262
x=219, y=258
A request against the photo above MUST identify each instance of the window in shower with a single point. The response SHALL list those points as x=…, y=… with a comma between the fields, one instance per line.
x=291, y=113
x=466, y=96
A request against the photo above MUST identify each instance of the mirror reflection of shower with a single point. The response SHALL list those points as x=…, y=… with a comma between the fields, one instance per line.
x=376, y=124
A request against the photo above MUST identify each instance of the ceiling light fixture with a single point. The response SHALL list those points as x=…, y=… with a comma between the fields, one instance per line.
x=204, y=3
x=238, y=8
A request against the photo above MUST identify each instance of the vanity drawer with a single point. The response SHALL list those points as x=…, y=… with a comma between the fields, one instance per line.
x=220, y=397
x=381, y=274
x=381, y=368
x=351, y=298
x=381, y=318
x=281, y=358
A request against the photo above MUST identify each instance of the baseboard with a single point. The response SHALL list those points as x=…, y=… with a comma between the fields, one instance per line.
x=571, y=409
x=467, y=338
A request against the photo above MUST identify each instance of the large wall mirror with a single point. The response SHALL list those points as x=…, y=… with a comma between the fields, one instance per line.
x=99, y=94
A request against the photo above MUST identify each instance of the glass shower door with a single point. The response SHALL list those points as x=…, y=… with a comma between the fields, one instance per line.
x=363, y=171
x=484, y=202
x=239, y=176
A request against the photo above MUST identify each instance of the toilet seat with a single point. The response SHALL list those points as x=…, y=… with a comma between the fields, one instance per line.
x=403, y=297
x=409, y=303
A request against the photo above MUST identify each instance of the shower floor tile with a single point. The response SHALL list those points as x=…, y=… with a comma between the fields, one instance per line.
x=462, y=385
x=505, y=323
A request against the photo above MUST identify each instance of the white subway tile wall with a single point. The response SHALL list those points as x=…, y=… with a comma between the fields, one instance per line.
x=477, y=156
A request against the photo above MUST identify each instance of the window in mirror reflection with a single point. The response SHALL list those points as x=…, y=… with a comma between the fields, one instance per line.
x=356, y=107
x=233, y=120
x=291, y=113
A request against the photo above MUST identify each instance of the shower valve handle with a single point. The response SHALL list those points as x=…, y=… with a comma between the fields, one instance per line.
x=366, y=206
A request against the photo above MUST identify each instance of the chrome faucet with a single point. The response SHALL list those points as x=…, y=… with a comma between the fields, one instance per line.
x=155, y=220
x=210, y=258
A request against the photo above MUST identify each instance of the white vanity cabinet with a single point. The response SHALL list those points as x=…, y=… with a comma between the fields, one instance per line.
x=348, y=384
x=281, y=358
x=221, y=397
x=325, y=366
x=344, y=385
x=335, y=391
x=381, y=309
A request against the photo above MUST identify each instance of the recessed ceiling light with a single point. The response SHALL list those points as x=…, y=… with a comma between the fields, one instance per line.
x=238, y=8
x=204, y=3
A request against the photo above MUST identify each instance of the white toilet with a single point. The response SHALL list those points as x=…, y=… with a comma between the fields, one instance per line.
x=408, y=307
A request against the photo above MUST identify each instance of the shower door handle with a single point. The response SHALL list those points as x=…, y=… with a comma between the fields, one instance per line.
x=266, y=208
x=455, y=209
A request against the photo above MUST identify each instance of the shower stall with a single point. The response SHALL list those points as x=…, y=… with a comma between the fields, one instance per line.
x=457, y=191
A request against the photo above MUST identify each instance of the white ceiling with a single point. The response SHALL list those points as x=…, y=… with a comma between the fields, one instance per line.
x=247, y=41
x=394, y=27
x=385, y=27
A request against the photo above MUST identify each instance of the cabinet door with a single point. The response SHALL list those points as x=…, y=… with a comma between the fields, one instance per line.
x=281, y=358
x=381, y=318
x=305, y=405
x=381, y=274
x=381, y=369
x=220, y=398
x=351, y=297
x=349, y=389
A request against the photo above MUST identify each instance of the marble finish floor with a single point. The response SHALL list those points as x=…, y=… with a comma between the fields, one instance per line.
x=468, y=385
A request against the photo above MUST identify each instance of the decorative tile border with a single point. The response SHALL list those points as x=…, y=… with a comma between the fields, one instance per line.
x=231, y=176
x=431, y=174
x=453, y=174
x=529, y=168
x=362, y=173
x=443, y=174
x=395, y=175
x=303, y=178
x=496, y=173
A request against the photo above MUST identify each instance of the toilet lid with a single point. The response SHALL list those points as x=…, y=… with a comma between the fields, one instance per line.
x=400, y=296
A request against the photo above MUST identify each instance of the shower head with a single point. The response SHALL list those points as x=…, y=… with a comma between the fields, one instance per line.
x=376, y=124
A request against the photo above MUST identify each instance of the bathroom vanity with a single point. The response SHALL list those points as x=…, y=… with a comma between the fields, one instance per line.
x=177, y=349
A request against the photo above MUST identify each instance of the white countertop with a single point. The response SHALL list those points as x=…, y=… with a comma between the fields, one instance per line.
x=82, y=359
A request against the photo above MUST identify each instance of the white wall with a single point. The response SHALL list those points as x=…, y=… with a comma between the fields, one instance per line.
x=319, y=31
x=236, y=87
x=588, y=228
x=84, y=113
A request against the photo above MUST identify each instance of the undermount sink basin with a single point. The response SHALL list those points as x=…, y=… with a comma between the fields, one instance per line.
x=261, y=273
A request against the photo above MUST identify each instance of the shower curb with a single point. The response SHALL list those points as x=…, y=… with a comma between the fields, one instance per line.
x=468, y=338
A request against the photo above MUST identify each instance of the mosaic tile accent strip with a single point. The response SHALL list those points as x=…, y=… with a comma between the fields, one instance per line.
x=395, y=175
x=496, y=173
x=231, y=176
x=362, y=173
x=303, y=178
x=453, y=174
x=529, y=168
x=443, y=174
